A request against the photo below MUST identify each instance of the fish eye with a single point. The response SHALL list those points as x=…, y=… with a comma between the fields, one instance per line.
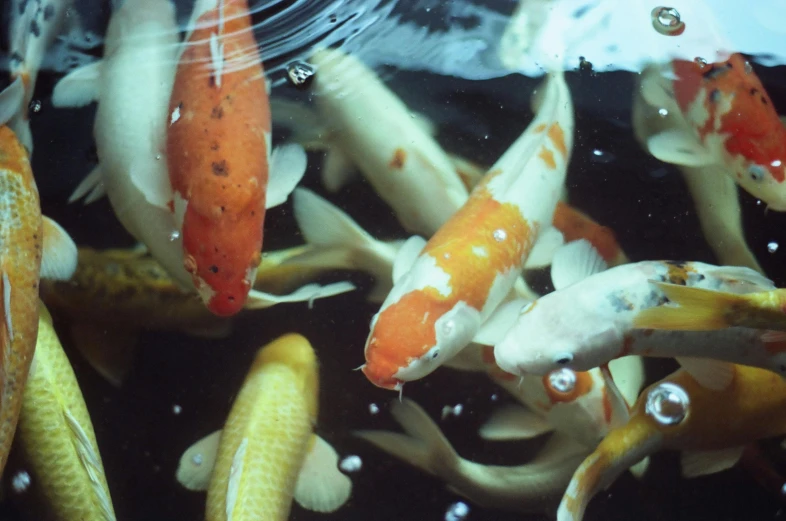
x=563, y=358
x=757, y=172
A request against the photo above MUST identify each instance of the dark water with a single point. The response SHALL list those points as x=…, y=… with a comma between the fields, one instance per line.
x=643, y=200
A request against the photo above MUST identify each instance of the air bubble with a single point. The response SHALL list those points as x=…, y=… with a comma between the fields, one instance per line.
x=454, y=410
x=748, y=67
x=457, y=512
x=174, y=235
x=500, y=235
x=176, y=409
x=666, y=20
x=21, y=481
x=772, y=246
x=599, y=156
x=197, y=459
x=562, y=380
x=373, y=408
x=35, y=105
x=776, y=163
x=667, y=403
x=351, y=464
x=300, y=74
x=158, y=157
x=663, y=112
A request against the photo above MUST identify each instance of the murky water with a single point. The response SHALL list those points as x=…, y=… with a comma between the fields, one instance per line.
x=444, y=60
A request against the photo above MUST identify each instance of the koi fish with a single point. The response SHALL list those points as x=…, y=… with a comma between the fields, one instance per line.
x=728, y=120
x=715, y=197
x=31, y=248
x=710, y=421
x=532, y=487
x=402, y=161
x=577, y=405
x=56, y=435
x=268, y=437
x=34, y=25
x=585, y=322
x=116, y=293
x=218, y=154
x=442, y=294
x=695, y=309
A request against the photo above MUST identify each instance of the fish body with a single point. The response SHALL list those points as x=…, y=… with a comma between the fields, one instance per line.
x=584, y=324
x=57, y=438
x=714, y=425
x=443, y=293
x=21, y=246
x=267, y=434
x=218, y=144
x=728, y=120
x=576, y=225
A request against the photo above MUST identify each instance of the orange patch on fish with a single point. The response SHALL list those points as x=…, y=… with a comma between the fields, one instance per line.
x=575, y=225
x=487, y=355
x=548, y=157
x=607, y=409
x=540, y=128
x=582, y=386
x=399, y=157
x=557, y=137
x=627, y=346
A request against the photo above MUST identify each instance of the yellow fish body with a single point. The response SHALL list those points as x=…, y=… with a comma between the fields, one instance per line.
x=722, y=411
x=57, y=438
x=263, y=448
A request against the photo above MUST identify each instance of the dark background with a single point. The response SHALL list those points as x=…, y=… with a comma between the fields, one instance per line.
x=643, y=200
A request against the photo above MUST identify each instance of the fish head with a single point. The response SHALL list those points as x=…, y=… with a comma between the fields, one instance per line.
x=413, y=336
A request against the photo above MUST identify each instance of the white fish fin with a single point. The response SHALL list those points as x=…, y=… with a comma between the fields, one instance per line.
x=575, y=261
x=287, y=166
x=620, y=413
x=96, y=193
x=325, y=224
x=702, y=463
x=547, y=244
x=11, y=100
x=513, y=422
x=79, y=87
x=308, y=293
x=679, y=147
x=493, y=330
x=743, y=275
x=153, y=183
x=91, y=462
x=60, y=255
x=655, y=89
x=710, y=374
x=108, y=350
x=306, y=125
x=407, y=255
x=321, y=487
x=522, y=290
x=639, y=469
x=424, y=446
x=628, y=374
x=88, y=185
x=337, y=170
x=558, y=447
x=197, y=462
x=468, y=359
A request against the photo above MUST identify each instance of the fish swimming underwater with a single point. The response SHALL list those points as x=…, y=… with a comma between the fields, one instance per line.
x=267, y=451
x=444, y=291
x=56, y=435
x=679, y=413
x=728, y=120
x=589, y=319
x=218, y=154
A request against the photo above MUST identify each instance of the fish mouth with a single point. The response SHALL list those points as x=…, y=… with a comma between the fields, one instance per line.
x=391, y=384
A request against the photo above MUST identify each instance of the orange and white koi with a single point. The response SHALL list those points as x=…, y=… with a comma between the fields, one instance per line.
x=442, y=294
x=712, y=422
x=218, y=153
x=728, y=120
x=268, y=452
x=589, y=319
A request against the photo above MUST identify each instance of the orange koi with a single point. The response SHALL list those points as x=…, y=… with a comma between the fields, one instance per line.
x=576, y=225
x=444, y=292
x=218, y=144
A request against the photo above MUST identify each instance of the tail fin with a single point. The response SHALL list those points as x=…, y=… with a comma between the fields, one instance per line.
x=423, y=446
x=696, y=309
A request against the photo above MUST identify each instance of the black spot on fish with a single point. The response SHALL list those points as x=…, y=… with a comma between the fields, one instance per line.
x=231, y=298
x=16, y=58
x=22, y=6
x=35, y=28
x=217, y=112
x=223, y=209
x=49, y=12
x=213, y=269
x=714, y=96
x=214, y=145
x=754, y=91
x=220, y=168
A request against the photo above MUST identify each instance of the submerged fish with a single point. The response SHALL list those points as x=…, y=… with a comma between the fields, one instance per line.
x=218, y=154
x=588, y=319
x=712, y=427
x=57, y=438
x=445, y=290
x=267, y=452
x=728, y=120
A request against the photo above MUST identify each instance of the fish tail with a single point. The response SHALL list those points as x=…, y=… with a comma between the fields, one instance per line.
x=696, y=309
x=621, y=449
x=423, y=446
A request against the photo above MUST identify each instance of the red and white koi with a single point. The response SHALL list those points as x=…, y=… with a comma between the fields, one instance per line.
x=711, y=422
x=728, y=120
x=589, y=319
x=442, y=294
x=218, y=154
